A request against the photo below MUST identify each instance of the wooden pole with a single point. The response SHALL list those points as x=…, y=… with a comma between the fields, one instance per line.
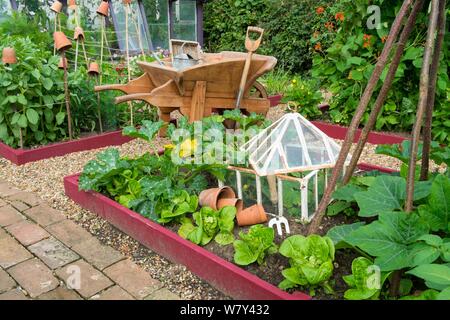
x=66, y=89
x=85, y=54
x=56, y=29
x=359, y=113
x=423, y=98
x=432, y=92
x=99, y=110
x=76, y=55
x=384, y=90
x=101, y=50
x=127, y=48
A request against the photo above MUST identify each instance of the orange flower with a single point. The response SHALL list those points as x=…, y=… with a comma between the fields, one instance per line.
x=383, y=39
x=339, y=16
x=329, y=25
x=320, y=10
x=367, y=40
x=318, y=46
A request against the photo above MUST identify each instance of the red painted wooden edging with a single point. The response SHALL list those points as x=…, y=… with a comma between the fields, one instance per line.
x=339, y=132
x=223, y=275
x=275, y=100
x=23, y=156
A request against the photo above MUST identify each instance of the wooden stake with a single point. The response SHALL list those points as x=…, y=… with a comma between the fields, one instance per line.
x=423, y=98
x=127, y=48
x=384, y=90
x=85, y=54
x=66, y=89
x=365, y=99
x=99, y=110
x=101, y=50
x=432, y=92
x=56, y=29
x=76, y=55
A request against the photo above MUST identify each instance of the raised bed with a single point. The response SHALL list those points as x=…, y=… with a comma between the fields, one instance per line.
x=23, y=156
x=223, y=275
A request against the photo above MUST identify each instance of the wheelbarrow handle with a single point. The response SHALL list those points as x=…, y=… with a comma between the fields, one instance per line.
x=253, y=45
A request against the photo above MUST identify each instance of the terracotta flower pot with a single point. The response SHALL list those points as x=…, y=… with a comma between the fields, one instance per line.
x=126, y=2
x=72, y=4
x=79, y=33
x=9, y=56
x=103, y=9
x=229, y=124
x=56, y=6
x=61, y=63
x=210, y=197
x=94, y=69
x=231, y=202
x=61, y=41
x=251, y=216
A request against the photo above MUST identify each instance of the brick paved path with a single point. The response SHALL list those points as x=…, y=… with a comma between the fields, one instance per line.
x=43, y=255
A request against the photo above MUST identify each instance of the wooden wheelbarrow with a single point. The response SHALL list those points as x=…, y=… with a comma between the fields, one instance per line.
x=197, y=91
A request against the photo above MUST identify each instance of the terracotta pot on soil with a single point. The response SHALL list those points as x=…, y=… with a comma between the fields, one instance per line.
x=229, y=124
x=79, y=33
x=56, y=6
x=126, y=2
x=9, y=56
x=251, y=216
x=103, y=9
x=231, y=202
x=61, y=63
x=210, y=197
x=61, y=41
x=94, y=69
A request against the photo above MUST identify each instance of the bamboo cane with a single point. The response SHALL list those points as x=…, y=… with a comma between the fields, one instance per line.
x=365, y=99
x=99, y=110
x=56, y=29
x=85, y=54
x=432, y=92
x=76, y=55
x=101, y=49
x=66, y=89
x=423, y=97
x=384, y=90
x=127, y=48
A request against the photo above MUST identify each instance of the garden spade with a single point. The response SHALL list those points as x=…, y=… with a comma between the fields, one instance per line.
x=251, y=46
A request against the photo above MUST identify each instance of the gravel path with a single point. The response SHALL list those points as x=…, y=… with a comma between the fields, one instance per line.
x=46, y=178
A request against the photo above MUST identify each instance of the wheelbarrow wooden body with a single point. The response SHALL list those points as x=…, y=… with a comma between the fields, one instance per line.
x=197, y=91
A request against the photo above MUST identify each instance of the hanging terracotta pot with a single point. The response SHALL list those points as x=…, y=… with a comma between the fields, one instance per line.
x=56, y=6
x=9, y=56
x=61, y=41
x=209, y=197
x=61, y=63
x=251, y=216
x=231, y=202
x=126, y=2
x=94, y=69
x=72, y=4
x=103, y=9
x=79, y=33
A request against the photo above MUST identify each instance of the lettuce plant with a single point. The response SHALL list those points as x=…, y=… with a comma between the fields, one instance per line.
x=209, y=224
x=365, y=283
x=311, y=261
x=254, y=245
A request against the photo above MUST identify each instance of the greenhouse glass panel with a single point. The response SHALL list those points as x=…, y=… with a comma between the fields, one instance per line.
x=5, y=8
x=184, y=18
x=157, y=14
x=138, y=39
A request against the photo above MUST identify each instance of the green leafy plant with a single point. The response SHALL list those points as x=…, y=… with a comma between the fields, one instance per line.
x=303, y=97
x=254, y=246
x=311, y=262
x=146, y=132
x=346, y=66
x=210, y=224
x=364, y=283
